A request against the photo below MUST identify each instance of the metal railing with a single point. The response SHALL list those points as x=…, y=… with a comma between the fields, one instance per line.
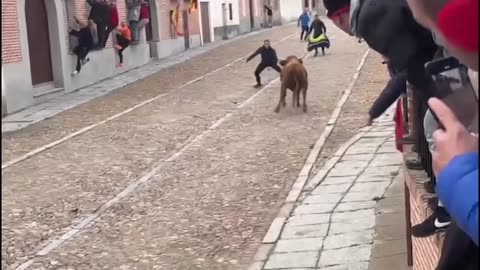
x=416, y=115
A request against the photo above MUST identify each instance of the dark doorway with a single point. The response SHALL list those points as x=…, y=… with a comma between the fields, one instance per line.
x=149, y=27
x=186, y=34
x=38, y=42
x=205, y=22
x=149, y=31
x=306, y=4
x=252, y=21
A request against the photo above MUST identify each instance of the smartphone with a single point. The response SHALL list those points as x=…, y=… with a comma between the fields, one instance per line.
x=453, y=87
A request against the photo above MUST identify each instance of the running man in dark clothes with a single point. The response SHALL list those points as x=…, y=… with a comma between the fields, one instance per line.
x=269, y=15
x=319, y=38
x=269, y=59
x=124, y=38
x=304, y=22
x=85, y=44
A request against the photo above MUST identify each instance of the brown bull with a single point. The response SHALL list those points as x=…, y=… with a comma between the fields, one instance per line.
x=293, y=77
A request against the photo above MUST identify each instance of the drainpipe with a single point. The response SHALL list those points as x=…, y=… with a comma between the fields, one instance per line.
x=4, y=102
x=225, y=20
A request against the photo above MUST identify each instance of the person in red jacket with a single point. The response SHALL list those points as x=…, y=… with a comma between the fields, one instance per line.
x=112, y=21
x=144, y=15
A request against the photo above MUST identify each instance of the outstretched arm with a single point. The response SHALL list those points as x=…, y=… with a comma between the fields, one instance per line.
x=275, y=56
x=253, y=55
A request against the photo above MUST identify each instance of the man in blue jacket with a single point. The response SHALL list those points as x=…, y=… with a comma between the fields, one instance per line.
x=304, y=22
x=455, y=162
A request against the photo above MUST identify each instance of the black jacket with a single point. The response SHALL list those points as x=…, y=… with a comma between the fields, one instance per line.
x=389, y=28
x=392, y=91
x=269, y=10
x=98, y=12
x=85, y=38
x=458, y=251
x=269, y=56
x=318, y=28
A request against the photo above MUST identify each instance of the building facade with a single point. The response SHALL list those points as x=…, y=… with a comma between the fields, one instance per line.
x=36, y=49
x=37, y=58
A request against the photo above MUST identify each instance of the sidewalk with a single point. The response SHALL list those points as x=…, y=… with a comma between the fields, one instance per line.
x=343, y=218
x=47, y=109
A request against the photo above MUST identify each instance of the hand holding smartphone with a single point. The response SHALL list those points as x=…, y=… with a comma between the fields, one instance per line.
x=454, y=88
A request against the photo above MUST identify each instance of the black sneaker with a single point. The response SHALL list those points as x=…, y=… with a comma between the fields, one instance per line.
x=258, y=85
x=415, y=164
x=436, y=222
x=429, y=187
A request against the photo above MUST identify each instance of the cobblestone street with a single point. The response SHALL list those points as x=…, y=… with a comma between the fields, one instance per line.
x=183, y=165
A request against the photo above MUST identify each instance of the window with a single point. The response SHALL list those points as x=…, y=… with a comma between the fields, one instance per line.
x=230, y=11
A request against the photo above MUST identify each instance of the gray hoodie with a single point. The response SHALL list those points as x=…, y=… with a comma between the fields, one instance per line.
x=133, y=7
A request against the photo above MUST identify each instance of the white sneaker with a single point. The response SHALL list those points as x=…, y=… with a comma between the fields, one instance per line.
x=74, y=73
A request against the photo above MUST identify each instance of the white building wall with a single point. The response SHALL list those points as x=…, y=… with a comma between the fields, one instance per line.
x=216, y=12
x=290, y=10
x=216, y=16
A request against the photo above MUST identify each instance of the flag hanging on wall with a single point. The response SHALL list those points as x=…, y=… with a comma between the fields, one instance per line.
x=193, y=6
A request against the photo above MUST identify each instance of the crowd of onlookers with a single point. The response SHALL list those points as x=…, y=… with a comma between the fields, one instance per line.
x=102, y=20
x=431, y=45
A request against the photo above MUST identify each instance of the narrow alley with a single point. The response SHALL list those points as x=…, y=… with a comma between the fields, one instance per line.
x=184, y=169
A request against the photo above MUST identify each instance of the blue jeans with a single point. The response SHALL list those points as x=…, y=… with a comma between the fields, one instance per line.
x=133, y=28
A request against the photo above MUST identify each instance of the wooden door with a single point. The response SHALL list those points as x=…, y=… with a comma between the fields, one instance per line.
x=38, y=42
x=252, y=21
x=205, y=22
x=224, y=22
x=148, y=27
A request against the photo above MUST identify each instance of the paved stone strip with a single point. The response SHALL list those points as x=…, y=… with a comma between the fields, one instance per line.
x=331, y=224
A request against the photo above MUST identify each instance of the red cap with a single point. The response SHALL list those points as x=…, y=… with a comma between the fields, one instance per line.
x=458, y=22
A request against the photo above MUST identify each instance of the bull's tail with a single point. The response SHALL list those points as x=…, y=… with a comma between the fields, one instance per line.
x=296, y=93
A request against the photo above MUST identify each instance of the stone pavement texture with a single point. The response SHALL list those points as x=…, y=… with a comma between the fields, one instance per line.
x=390, y=245
x=49, y=108
x=190, y=180
x=333, y=221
